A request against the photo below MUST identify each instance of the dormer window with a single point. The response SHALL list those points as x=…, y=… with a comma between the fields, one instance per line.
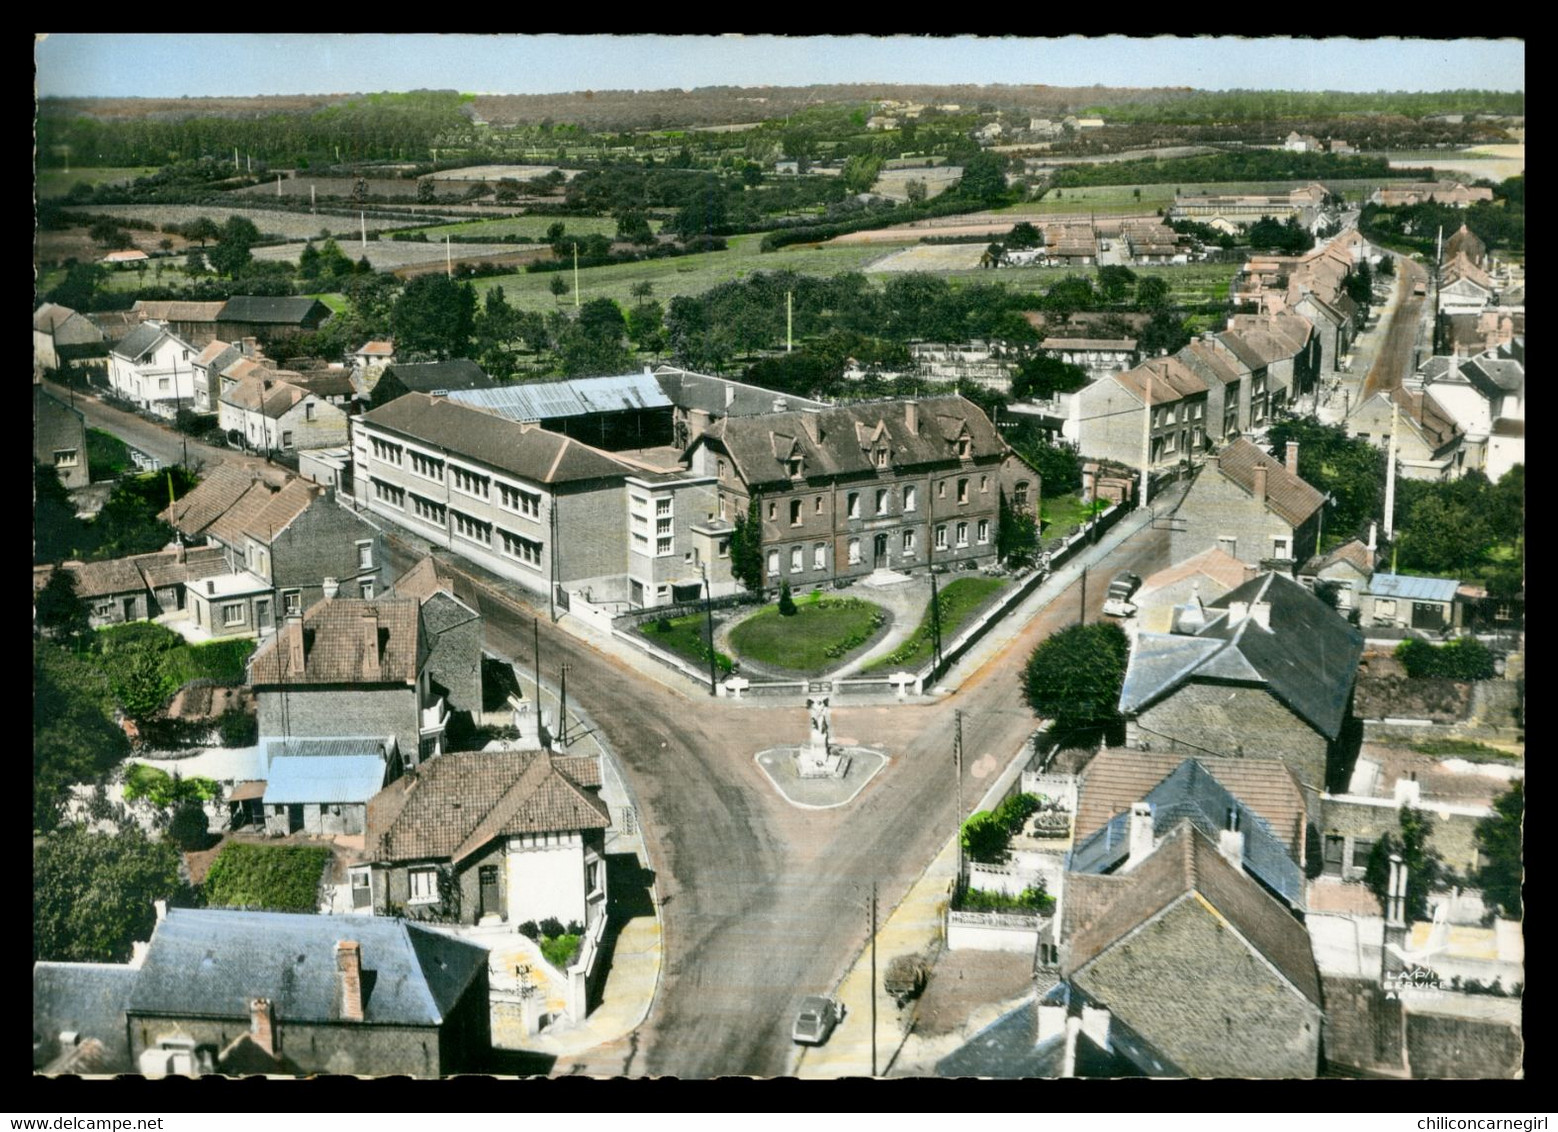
x=795, y=467
x=963, y=448
x=881, y=457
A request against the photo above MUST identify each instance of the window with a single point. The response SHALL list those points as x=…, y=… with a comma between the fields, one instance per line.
x=424, y=886
x=819, y=556
x=795, y=512
x=962, y=491
x=1361, y=848
x=470, y=482
x=797, y=560
x=854, y=505
x=962, y=534
x=663, y=546
x=663, y=526
x=662, y=507
x=66, y=458
x=984, y=530
x=1020, y=494
x=233, y=614
x=1279, y=548
x=286, y=438
x=854, y=552
x=365, y=590
x=881, y=501
x=162, y=383
x=941, y=537
x=773, y=562
x=941, y=490
x=719, y=466
x=773, y=510
x=1334, y=848
x=795, y=468
x=104, y=608
x=365, y=556
x=908, y=542
x=722, y=514
x=291, y=601
x=984, y=483
x=817, y=505
x=429, y=510
x=427, y=466
x=910, y=498
x=963, y=448
x=724, y=548
x=640, y=543
x=384, y=450
x=1385, y=607
x=473, y=529
x=390, y=494
x=881, y=457
x=527, y=550
x=308, y=411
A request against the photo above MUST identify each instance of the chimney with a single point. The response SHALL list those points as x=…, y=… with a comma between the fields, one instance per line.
x=294, y=645
x=911, y=416
x=1238, y=611
x=1140, y=834
x=1373, y=539
x=1293, y=456
x=1230, y=843
x=371, y=668
x=781, y=405
x=1407, y=792
x=1261, y=612
x=348, y=977
x=730, y=395
x=262, y=1024
x=1260, y=484
x=331, y=587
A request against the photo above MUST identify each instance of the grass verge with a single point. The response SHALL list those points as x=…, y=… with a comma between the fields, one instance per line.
x=959, y=601
x=820, y=634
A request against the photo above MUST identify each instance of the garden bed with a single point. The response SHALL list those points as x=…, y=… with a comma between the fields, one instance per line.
x=819, y=636
x=274, y=878
x=686, y=637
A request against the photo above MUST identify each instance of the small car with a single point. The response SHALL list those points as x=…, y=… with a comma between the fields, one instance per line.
x=816, y=1019
x=1117, y=602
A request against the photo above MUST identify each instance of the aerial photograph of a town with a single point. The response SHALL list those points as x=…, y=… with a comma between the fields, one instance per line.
x=776, y=557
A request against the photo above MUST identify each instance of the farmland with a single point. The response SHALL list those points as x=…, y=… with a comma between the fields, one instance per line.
x=333, y=187
x=392, y=255
x=499, y=172
x=57, y=182
x=287, y=225
x=530, y=227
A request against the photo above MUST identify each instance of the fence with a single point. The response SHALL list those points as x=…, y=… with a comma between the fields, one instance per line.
x=993, y=931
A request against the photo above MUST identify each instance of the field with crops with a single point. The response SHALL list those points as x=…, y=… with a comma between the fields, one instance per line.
x=287, y=225
x=392, y=255
x=58, y=182
x=332, y=187
x=528, y=227
x=499, y=172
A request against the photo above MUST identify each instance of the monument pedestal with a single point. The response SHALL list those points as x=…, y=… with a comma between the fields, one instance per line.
x=819, y=762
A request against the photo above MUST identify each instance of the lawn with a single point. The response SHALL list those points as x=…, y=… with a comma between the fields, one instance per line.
x=532, y=227
x=959, y=601
x=1063, y=514
x=332, y=299
x=818, y=636
x=58, y=182
x=687, y=637
x=108, y=456
x=275, y=878
x=687, y=275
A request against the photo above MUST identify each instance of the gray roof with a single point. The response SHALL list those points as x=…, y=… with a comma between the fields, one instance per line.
x=265, y=308
x=210, y=963
x=1413, y=589
x=1308, y=659
x=1192, y=793
x=89, y=998
x=426, y=377
x=547, y=400
x=1008, y=1048
x=139, y=341
x=323, y=779
x=721, y=397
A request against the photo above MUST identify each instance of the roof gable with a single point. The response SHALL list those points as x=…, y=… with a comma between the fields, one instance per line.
x=1287, y=496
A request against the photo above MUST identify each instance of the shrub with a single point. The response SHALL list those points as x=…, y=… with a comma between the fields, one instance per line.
x=163, y=790
x=560, y=950
x=1464, y=659
x=529, y=930
x=276, y=878
x=551, y=927
x=238, y=728
x=190, y=829
x=985, y=838
x=1031, y=899
x=786, y=602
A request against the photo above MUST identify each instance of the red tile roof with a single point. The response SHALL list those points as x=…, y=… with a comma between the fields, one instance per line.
x=345, y=641
x=1289, y=497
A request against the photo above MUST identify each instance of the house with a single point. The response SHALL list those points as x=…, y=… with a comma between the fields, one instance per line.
x=1296, y=142
x=1464, y=242
x=1098, y=356
x=508, y=835
x=60, y=334
x=451, y=615
x=143, y=586
x=293, y=539
x=195, y=322
x=1205, y=576
x=1106, y=420
x=1439, y=192
x=153, y=368
x=1283, y=354
x=349, y=667
x=1397, y=601
x=268, y=317
x=1149, y=241
x=1208, y=971
x=428, y=377
x=322, y=786
x=130, y=257
x=874, y=485
x=273, y=414
x=1266, y=671
x=698, y=400
x=1250, y=506
x=1344, y=569
x=323, y=994
x=59, y=438
x=1428, y=441
x=611, y=413
x=1464, y=288
x=78, y=1017
x=377, y=352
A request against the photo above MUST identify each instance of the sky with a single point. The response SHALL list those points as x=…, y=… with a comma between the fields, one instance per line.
x=171, y=66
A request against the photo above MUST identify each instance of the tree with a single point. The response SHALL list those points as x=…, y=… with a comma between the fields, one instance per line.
x=646, y=323
x=1024, y=237
x=1017, y=534
x=60, y=609
x=1152, y=293
x=1463, y=659
x=435, y=315
x=1042, y=376
x=984, y=178
x=202, y=230
x=1114, y=282
x=1349, y=470
x=1387, y=265
x=558, y=286
x=74, y=737
x=592, y=343
x=985, y=838
x=703, y=214
x=231, y=254
x=786, y=602
x=1498, y=839
x=633, y=227
x=643, y=289
x=1423, y=865
x=915, y=190
x=746, y=548
x=497, y=327
x=1071, y=294
x=57, y=533
x=1164, y=333
x=93, y=893
x=80, y=286
x=426, y=191
x=106, y=231
x=1074, y=677
x=861, y=172
x=1360, y=284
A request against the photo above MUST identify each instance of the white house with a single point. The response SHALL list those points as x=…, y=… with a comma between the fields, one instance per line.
x=154, y=368
x=273, y=414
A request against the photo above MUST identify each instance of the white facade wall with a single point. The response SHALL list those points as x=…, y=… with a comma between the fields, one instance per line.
x=546, y=875
x=163, y=382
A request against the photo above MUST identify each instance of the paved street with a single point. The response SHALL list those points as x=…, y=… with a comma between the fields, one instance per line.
x=1397, y=356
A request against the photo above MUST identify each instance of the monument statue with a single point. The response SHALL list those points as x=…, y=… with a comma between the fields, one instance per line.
x=818, y=706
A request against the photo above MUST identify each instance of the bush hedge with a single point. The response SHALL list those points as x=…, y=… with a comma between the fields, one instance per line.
x=272, y=878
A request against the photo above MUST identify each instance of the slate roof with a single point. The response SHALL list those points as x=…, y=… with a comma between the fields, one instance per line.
x=336, y=641
x=845, y=436
x=1427, y=416
x=454, y=805
x=210, y=963
x=140, y=341
x=280, y=310
x=1465, y=242
x=1009, y=1048
x=1187, y=863
x=430, y=576
x=1354, y=552
x=1117, y=779
x=1492, y=374
x=1171, y=378
x=1413, y=588
x=697, y=391
x=1308, y=659
x=1210, y=362
x=298, y=778
x=221, y=487
x=88, y=998
x=1287, y=496
x=544, y=400
x=112, y=576
x=1192, y=792
x=531, y=453
x=425, y=377
x=68, y=327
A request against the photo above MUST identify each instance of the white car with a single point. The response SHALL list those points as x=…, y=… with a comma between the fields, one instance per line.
x=1119, y=607
x=815, y=1021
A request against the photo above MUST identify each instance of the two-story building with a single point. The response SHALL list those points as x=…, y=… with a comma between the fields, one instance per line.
x=60, y=334
x=154, y=369
x=1251, y=506
x=59, y=438
x=1108, y=419
x=273, y=414
x=1428, y=440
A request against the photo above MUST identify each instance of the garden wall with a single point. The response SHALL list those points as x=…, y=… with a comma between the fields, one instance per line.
x=993, y=931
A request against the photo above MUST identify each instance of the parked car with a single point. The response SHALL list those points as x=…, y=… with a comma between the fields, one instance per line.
x=816, y=1019
x=1117, y=602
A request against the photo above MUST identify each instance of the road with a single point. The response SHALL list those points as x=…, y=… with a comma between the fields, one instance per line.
x=760, y=901
x=1397, y=356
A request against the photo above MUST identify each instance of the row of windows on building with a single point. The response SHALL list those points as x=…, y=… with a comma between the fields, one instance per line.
x=475, y=484
x=908, y=543
x=468, y=527
x=883, y=500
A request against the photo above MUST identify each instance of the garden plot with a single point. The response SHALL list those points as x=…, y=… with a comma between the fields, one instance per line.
x=498, y=172
x=288, y=225
x=932, y=257
x=938, y=179
x=392, y=255
x=340, y=187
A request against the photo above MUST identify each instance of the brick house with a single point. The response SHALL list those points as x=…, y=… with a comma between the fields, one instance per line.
x=1249, y=505
x=1264, y=672
x=1429, y=443
x=59, y=438
x=508, y=835
x=1346, y=569
x=843, y=491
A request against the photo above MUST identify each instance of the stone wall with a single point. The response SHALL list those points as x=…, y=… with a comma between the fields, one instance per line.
x=322, y=543
x=1445, y=1046
x=1215, y=508
x=1452, y=833
x=328, y=712
x=1362, y=1028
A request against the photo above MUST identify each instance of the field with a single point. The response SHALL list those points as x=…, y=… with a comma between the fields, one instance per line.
x=938, y=179
x=57, y=182
x=531, y=227
x=392, y=255
x=498, y=172
x=288, y=225
x=933, y=257
x=333, y=186
x=684, y=275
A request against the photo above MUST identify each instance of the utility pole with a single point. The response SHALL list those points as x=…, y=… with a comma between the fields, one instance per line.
x=957, y=762
x=562, y=711
x=935, y=619
x=708, y=612
x=789, y=321
x=873, y=978
x=1083, y=618
x=448, y=259
x=1390, y=471
x=1146, y=443
x=575, y=275
x=536, y=626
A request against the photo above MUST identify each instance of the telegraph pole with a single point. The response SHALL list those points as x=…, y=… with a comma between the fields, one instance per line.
x=1083, y=618
x=562, y=711
x=576, y=275
x=873, y=978
x=957, y=762
x=935, y=619
x=708, y=612
x=536, y=625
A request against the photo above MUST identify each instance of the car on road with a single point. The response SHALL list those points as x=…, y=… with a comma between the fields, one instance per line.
x=816, y=1019
x=1117, y=602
